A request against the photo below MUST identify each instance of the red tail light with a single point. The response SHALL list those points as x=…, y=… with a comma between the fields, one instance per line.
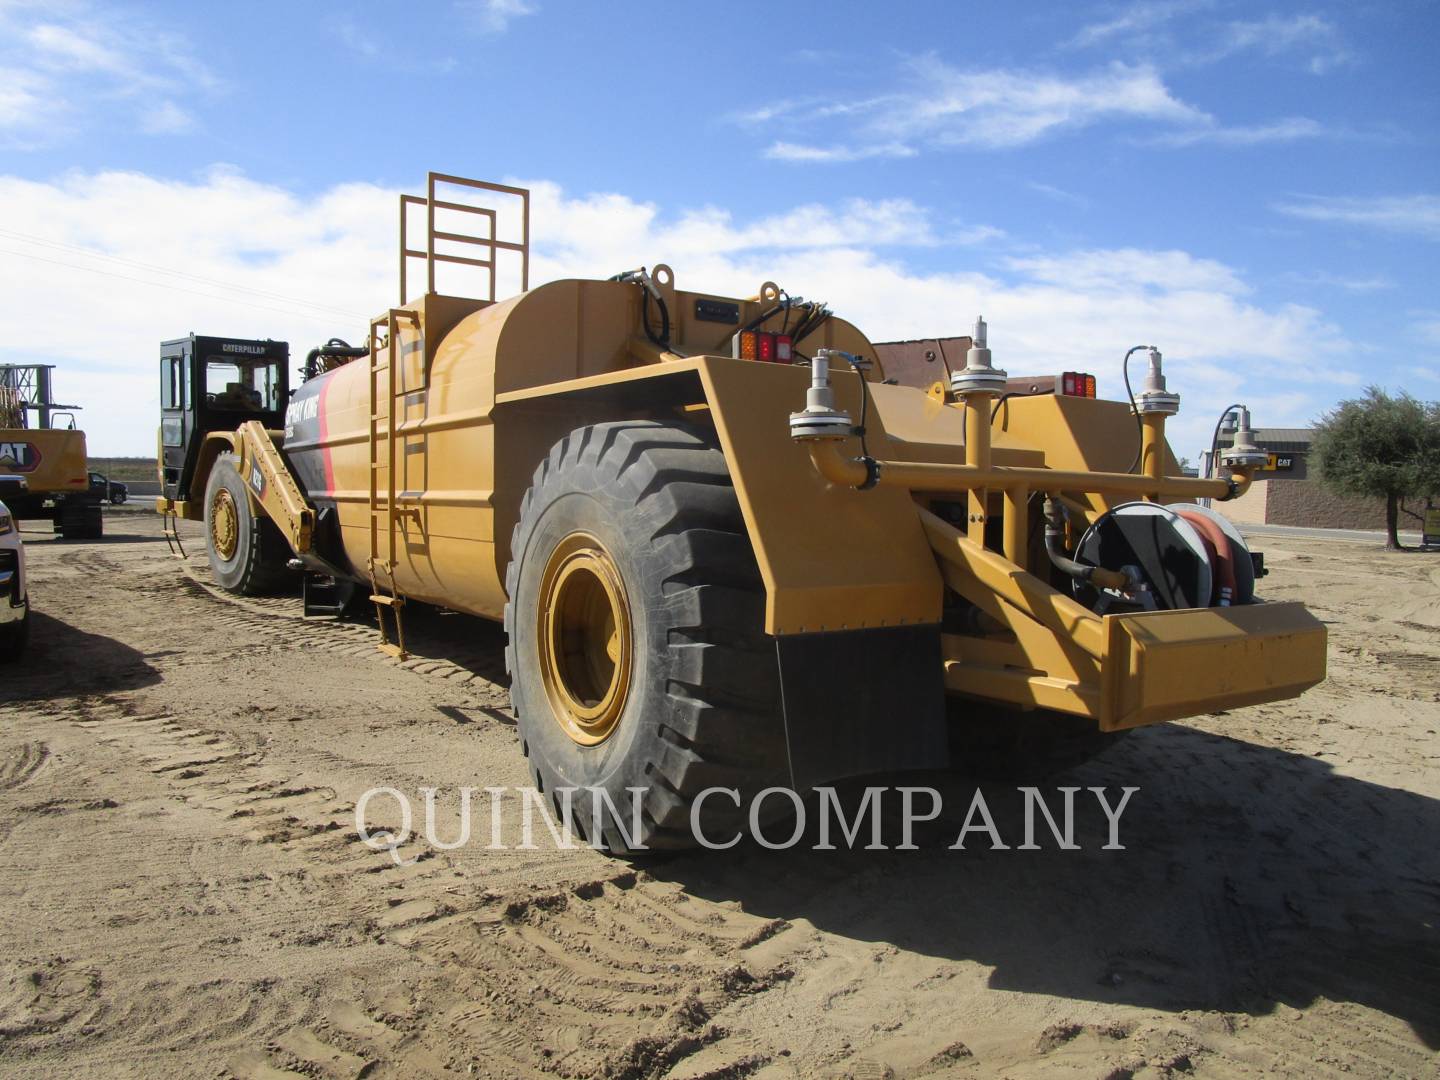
x=1076, y=384
x=758, y=345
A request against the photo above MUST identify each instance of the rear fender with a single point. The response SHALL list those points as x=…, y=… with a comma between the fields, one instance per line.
x=212, y=446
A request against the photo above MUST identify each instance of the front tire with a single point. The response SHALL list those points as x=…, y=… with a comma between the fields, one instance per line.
x=636, y=650
x=14, y=637
x=247, y=552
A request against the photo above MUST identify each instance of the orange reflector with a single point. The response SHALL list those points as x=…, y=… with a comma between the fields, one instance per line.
x=1089, y=385
x=745, y=347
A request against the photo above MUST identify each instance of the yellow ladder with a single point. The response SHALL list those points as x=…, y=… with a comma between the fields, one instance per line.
x=383, y=593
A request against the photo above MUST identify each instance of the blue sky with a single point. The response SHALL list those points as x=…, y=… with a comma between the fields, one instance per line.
x=1252, y=187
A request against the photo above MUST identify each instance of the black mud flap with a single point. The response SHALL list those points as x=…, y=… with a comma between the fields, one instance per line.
x=862, y=701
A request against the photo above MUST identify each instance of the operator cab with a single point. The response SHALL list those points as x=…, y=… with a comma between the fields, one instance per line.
x=215, y=384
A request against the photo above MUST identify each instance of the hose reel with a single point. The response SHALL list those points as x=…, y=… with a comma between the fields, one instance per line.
x=1182, y=556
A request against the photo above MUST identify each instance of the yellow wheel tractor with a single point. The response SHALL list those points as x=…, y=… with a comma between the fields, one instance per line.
x=729, y=553
x=43, y=463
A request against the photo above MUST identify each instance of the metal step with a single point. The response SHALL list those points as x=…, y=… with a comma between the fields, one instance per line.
x=325, y=595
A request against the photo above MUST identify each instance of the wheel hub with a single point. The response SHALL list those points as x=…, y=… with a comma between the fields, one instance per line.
x=224, y=525
x=585, y=639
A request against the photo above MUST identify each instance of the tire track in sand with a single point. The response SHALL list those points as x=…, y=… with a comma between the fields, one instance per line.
x=522, y=984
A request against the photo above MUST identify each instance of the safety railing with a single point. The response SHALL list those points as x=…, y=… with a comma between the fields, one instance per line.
x=487, y=241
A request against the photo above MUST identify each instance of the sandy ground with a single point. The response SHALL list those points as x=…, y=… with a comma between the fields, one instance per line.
x=184, y=893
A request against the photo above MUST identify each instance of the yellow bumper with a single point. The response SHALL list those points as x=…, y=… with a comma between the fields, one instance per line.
x=1164, y=665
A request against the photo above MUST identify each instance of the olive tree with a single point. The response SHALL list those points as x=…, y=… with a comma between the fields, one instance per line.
x=1380, y=446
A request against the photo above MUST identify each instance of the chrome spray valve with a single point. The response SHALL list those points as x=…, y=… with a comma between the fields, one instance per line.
x=820, y=419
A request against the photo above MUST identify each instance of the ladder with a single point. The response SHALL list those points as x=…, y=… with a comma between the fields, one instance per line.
x=387, y=515
x=384, y=361
x=170, y=524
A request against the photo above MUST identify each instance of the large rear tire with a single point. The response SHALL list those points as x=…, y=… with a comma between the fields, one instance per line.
x=247, y=552
x=637, y=653
x=79, y=518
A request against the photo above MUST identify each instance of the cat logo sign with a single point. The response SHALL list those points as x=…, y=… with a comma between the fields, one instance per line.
x=20, y=457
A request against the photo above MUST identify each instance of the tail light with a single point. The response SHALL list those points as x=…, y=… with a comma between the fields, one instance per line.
x=758, y=345
x=1076, y=384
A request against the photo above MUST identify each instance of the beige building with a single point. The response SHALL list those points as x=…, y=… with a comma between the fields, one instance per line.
x=1284, y=493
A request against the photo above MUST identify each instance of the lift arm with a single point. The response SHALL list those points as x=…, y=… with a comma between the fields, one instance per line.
x=268, y=478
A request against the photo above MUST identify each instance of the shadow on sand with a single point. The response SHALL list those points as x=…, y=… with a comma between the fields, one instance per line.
x=1251, y=876
x=91, y=663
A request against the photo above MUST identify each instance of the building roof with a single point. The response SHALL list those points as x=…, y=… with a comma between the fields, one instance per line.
x=1294, y=440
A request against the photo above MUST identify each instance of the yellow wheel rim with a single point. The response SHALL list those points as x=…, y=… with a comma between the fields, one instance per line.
x=585, y=646
x=224, y=525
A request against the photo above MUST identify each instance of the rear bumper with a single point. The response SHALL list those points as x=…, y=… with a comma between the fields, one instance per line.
x=1164, y=665
x=12, y=593
x=1148, y=667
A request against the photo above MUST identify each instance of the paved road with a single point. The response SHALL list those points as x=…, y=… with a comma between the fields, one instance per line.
x=1352, y=535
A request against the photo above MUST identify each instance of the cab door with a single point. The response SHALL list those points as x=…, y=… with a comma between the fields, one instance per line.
x=176, y=416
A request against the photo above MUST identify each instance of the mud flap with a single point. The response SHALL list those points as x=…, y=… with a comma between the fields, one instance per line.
x=862, y=701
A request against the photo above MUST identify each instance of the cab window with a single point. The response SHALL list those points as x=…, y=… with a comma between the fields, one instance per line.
x=242, y=385
x=172, y=389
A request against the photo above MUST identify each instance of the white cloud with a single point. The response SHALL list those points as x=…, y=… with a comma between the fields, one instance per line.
x=65, y=66
x=592, y=234
x=1415, y=215
x=166, y=118
x=937, y=105
x=1338, y=281
x=787, y=151
x=124, y=249
x=959, y=107
x=1136, y=21
x=1315, y=37
x=495, y=16
x=1129, y=268
x=1050, y=191
x=1288, y=130
x=1149, y=28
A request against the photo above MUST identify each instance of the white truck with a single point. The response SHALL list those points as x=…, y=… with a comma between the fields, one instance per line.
x=14, y=598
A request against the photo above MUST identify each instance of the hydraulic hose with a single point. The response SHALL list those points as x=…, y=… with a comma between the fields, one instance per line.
x=1055, y=548
x=335, y=347
x=663, y=341
x=1139, y=427
x=1215, y=437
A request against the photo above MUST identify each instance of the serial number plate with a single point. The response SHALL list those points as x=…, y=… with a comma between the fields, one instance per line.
x=717, y=311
